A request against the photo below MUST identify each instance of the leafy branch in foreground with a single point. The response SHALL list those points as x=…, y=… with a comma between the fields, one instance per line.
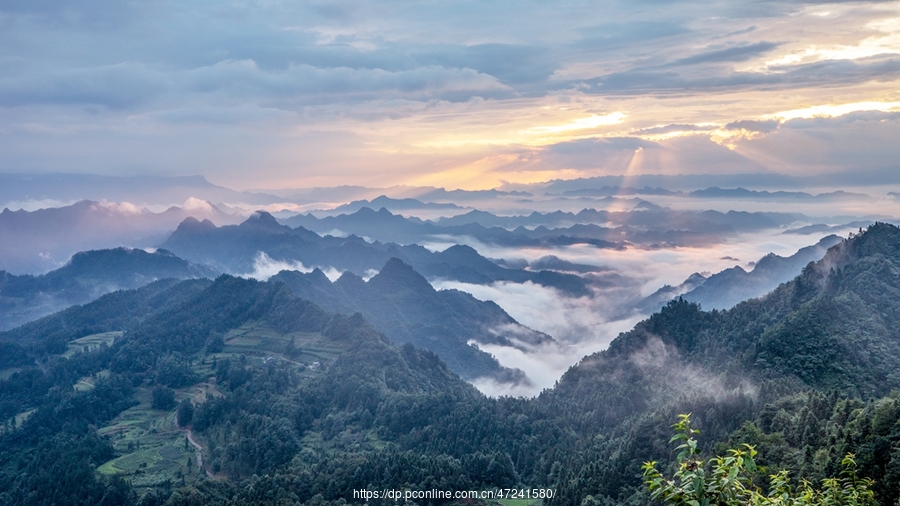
x=727, y=481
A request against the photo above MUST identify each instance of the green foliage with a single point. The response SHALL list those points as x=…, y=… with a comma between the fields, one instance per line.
x=789, y=382
x=185, y=412
x=402, y=304
x=729, y=481
x=163, y=398
x=50, y=458
x=173, y=370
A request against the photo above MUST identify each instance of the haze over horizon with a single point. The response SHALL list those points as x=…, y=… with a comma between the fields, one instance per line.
x=633, y=143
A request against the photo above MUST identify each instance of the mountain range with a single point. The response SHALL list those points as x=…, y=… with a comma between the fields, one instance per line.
x=87, y=276
x=239, y=248
x=140, y=189
x=290, y=403
x=407, y=204
x=727, y=288
x=641, y=223
x=714, y=192
x=38, y=241
x=401, y=303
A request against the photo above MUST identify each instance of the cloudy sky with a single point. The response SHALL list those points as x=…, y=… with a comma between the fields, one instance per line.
x=266, y=94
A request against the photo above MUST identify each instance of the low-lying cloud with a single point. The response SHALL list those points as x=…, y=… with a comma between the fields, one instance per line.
x=264, y=267
x=580, y=326
x=674, y=377
x=585, y=325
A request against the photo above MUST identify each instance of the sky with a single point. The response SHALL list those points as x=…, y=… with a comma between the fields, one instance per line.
x=473, y=95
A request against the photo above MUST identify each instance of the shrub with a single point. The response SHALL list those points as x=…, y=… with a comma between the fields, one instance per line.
x=728, y=481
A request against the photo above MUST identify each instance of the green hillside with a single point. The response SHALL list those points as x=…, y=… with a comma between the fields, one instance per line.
x=401, y=303
x=87, y=276
x=286, y=403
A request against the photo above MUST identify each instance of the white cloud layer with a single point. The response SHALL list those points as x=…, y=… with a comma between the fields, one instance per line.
x=584, y=325
x=264, y=267
x=580, y=326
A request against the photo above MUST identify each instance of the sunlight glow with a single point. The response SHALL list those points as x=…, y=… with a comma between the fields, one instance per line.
x=832, y=111
x=868, y=47
x=593, y=121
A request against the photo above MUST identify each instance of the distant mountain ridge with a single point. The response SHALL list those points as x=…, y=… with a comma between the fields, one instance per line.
x=39, y=241
x=56, y=188
x=743, y=193
x=401, y=303
x=394, y=204
x=715, y=192
x=727, y=288
x=643, y=224
x=297, y=404
x=87, y=276
x=690, y=182
x=138, y=189
x=237, y=248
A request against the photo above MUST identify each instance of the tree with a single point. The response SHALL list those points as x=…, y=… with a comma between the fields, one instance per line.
x=728, y=481
x=292, y=350
x=185, y=413
x=163, y=398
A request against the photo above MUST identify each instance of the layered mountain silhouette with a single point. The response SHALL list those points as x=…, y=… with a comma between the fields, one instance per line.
x=318, y=403
x=238, y=248
x=395, y=205
x=641, y=223
x=39, y=241
x=727, y=288
x=156, y=190
x=87, y=276
x=401, y=303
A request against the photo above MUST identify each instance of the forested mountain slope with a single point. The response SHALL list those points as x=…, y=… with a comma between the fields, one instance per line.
x=829, y=334
x=263, y=348
x=401, y=303
x=725, y=289
x=112, y=312
x=833, y=327
x=85, y=277
x=295, y=405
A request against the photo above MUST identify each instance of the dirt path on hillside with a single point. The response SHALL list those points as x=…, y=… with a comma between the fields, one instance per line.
x=195, y=444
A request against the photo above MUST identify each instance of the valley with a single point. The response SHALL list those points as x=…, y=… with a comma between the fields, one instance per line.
x=285, y=395
x=356, y=252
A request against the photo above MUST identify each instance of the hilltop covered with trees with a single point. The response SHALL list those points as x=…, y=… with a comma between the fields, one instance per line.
x=294, y=404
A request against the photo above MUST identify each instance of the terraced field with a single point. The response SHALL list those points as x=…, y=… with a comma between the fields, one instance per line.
x=92, y=341
x=89, y=382
x=253, y=340
x=153, y=452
